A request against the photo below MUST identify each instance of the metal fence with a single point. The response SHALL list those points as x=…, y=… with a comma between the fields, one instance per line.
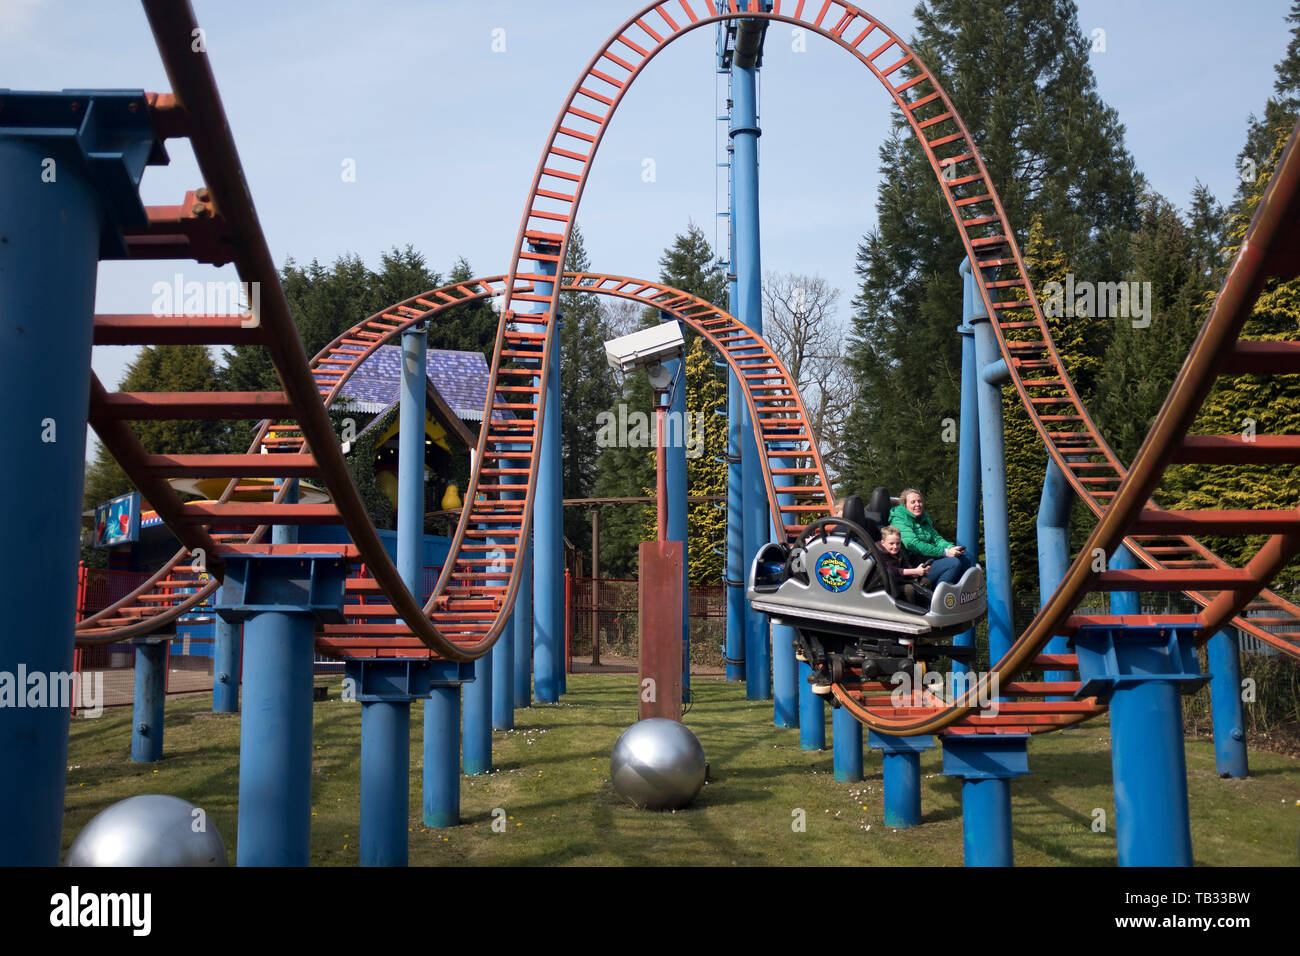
x=604, y=617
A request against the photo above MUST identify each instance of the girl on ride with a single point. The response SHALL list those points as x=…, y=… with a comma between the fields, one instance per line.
x=922, y=542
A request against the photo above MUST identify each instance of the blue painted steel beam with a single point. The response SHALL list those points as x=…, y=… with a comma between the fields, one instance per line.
x=548, y=532
x=792, y=696
x=968, y=453
x=993, y=484
x=1124, y=602
x=901, y=766
x=1140, y=673
x=1054, y=553
x=846, y=738
x=676, y=475
x=737, y=606
x=523, y=626
x=812, y=707
x=477, y=755
x=70, y=167
x=385, y=790
x=225, y=666
x=1226, y=705
x=147, y=710
x=441, y=805
x=503, y=678
x=747, y=264
x=986, y=763
x=280, y=600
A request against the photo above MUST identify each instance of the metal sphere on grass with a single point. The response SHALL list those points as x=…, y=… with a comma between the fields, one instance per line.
x=658, y=764
x=152, y=829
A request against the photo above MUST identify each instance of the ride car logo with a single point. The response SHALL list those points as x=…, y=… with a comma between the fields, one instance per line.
x=834, y=571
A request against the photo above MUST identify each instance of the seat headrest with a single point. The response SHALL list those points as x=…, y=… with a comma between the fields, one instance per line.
x=853, y=510
x=879, y=505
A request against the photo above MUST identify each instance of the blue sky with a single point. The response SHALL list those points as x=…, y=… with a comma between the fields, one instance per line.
x=445, y=133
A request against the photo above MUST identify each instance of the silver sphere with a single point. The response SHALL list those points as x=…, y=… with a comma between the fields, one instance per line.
x=149, y=830
x=658, y=764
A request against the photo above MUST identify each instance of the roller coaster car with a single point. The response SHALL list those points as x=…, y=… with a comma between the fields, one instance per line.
x=847, y=611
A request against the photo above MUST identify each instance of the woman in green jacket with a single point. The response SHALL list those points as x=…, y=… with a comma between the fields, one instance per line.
x=923, y=543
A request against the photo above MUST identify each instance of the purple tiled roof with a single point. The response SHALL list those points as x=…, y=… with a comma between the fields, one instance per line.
x=461, y=378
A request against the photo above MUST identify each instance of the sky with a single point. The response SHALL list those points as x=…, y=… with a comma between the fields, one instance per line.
x=443, y=107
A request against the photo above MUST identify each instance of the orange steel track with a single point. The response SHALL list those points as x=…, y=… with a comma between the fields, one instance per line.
x=473, y=596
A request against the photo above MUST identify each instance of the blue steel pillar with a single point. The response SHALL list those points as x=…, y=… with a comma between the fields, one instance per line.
x=523, y=625
x=968, y=449
x=987, y=763
x=901, y=767
x=1140, y=672
x=280, y=599
x=993, y=474
x=548, y=524
x=477, y=756
x=793, y=701
x=386, y=712
x=441, y=805
x=225, y=666
x=70, y=166
x=147, y=709
x=1225, y=705
x=749, y=310
x=1054, y=553
x=737, y=606
x=1124, y=602
x=812, y=707
x=503, y=678
x=675, y=470
x=846, y=739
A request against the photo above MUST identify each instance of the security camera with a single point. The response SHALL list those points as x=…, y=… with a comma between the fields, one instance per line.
x=645, y=348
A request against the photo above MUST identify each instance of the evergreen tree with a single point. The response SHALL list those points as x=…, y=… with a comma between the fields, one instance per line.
x=1018, y=74
x=624, y=471
x=160, y=368
x=587, y=388
x=1248, y=405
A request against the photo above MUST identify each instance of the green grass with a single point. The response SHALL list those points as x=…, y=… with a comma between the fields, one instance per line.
x=552, y=781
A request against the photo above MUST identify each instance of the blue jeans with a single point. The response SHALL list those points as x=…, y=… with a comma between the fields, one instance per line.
x=949, y=570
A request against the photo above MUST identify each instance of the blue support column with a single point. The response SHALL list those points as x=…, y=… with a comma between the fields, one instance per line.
x=477, y=756
x=147, y=711
x=993, y=479
x=280, y=600
x=385, y=770
x=846, y=739
x=1124, y=602
x=1140, y=672
x=901, y=766
x=523, y=626
x=225, y=666
x=503, y=678
x=386, y=714
x=968, y=450
x=792, y=696
x=442, y=757
x=548, y=528
x=749, y=310
x=1226, y=705
x=812, y=708
x=70, y=166
x=1054, y=553
x=675, y=469
x=737, y=606
x=987, y=763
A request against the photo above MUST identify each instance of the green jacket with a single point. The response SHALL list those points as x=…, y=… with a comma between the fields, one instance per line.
x=918, y=534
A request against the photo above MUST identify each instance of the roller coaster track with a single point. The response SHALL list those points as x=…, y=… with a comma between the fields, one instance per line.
x=473, y=596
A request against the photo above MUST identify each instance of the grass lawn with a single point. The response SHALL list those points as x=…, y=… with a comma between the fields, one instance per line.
x=552, y=780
